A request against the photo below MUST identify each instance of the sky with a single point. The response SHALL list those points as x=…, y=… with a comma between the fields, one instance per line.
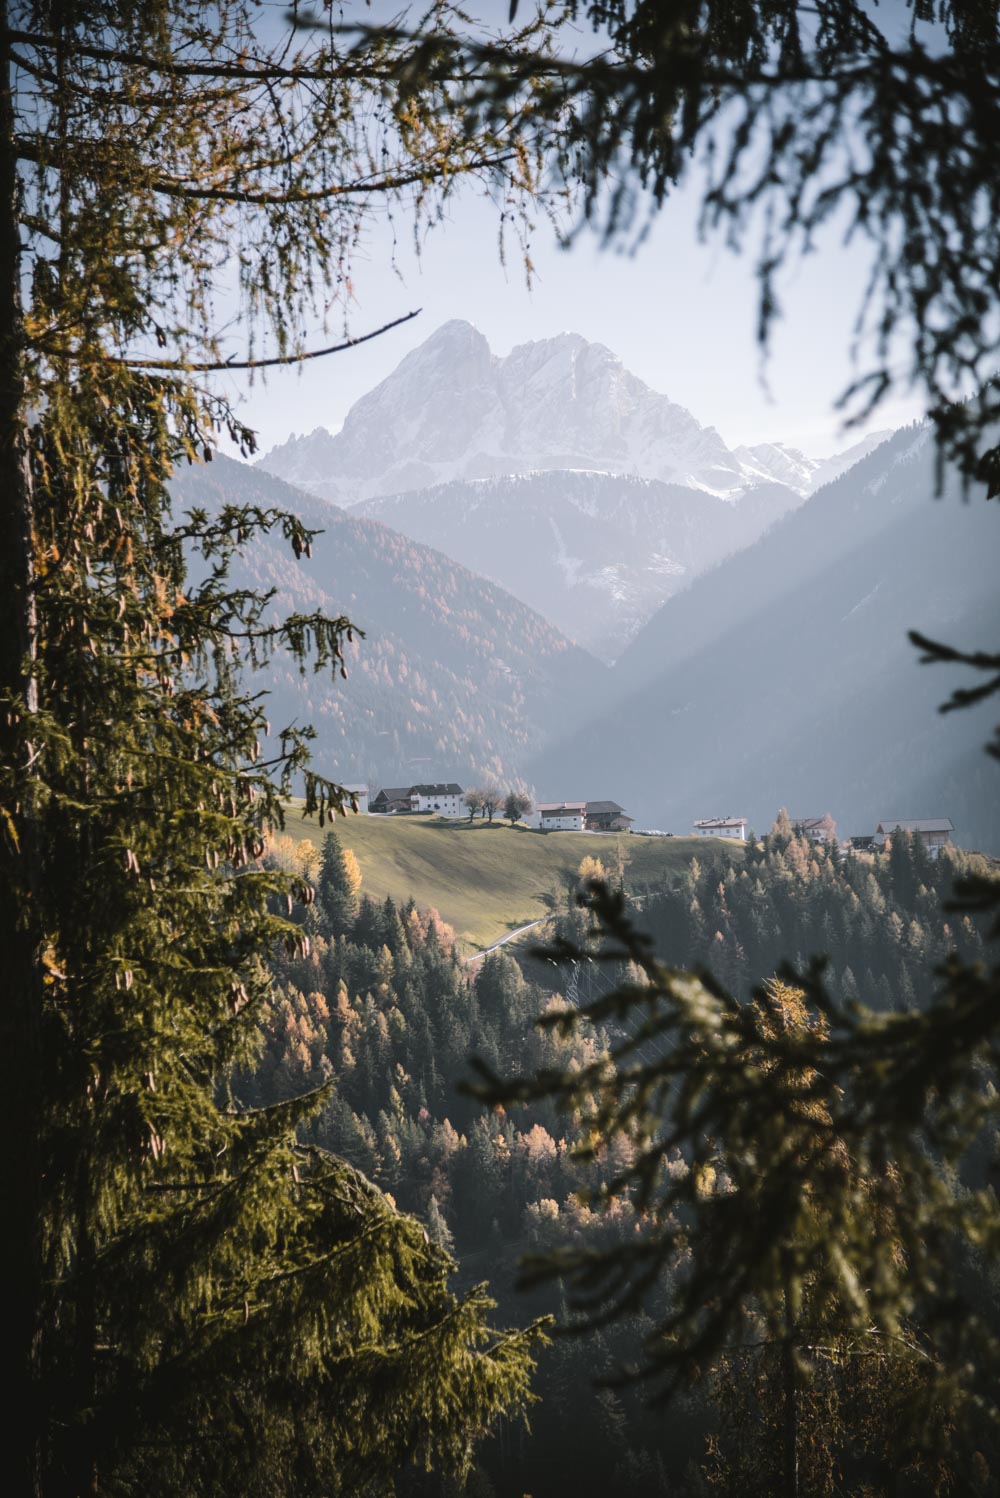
x=680, y=313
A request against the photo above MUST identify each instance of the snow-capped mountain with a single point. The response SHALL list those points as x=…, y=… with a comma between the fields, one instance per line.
x=554, y=472
x=774, y=462
x=596, y=553
x=452, y=409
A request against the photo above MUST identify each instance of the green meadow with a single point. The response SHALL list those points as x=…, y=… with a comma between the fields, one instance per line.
x=486, y=880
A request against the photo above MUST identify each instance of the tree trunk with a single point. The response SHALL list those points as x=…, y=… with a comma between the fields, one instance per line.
x=789, y=1422
x=20, y=1012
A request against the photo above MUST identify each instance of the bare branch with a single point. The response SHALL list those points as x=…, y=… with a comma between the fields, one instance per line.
x=223, y=364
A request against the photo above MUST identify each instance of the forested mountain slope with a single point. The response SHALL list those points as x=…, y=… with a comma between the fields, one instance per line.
x=454, y=679
x=382, y=1006
x=784, y=676
x=597, y=553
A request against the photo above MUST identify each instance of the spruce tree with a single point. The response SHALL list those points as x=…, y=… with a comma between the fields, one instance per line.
x=336, y=889
x=197, y=1305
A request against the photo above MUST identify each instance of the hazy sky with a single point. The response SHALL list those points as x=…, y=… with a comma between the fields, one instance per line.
x=680, y=314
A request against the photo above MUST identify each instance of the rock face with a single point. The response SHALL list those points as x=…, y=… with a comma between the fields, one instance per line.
x=454, y=410
x=774, y=462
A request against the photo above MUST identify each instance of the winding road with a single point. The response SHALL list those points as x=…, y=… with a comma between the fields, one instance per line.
x=502, y=940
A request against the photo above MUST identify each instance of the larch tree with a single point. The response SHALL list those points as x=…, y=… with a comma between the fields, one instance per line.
x=801, y=1385
x=196, y=1304
x=843, y=1228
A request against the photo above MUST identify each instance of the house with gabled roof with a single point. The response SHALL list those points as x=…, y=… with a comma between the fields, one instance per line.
x=391, y=798
x=722, y=827
x=607, y=816
x=360, y=794
x=446, y=799
x=818, y=829
x=443, y=798
x=560, y=816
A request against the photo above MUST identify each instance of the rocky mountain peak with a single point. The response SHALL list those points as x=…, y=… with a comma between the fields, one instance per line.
x=452, y=409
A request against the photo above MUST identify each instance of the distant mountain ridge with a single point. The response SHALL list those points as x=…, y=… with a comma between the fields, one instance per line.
x=455, y=679
x=454, y=410
x=784, y=676
x=774, y=462
x=595, y=553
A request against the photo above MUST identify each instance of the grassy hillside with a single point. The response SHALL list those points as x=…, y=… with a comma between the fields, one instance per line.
x=486, y=880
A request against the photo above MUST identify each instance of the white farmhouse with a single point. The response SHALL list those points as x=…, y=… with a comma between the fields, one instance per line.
x=360, y=792
x=722, y=827
x=561, y=816
x=446, y=800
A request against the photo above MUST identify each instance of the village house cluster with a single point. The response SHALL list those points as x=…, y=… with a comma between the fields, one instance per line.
x=448, y=799
x=934, y=832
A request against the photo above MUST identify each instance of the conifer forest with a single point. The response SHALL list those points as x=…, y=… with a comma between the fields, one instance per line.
x=382, y=1118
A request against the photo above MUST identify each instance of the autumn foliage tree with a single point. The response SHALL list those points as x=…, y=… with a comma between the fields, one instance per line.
x=183, y=1270
x=473, y=803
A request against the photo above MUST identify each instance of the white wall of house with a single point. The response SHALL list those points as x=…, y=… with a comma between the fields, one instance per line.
x=443, y=805
x=818, y=832
x=573, y=822
x=727, y=829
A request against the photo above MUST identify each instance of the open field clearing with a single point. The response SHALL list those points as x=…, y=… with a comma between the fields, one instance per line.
x=487, y=880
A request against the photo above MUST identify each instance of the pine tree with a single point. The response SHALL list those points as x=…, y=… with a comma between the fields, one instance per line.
x=437, y=1228
x=840, y=1142
x=198, y=1306
x=804, y=1385
x=337, y=889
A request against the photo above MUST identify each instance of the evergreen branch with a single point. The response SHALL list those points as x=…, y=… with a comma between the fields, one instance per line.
x=335, y=70
x=934, y=653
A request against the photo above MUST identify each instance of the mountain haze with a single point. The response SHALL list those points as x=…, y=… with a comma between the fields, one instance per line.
x=596, y=553
x=774, y=462
x=455, y=679
x=784, y=676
